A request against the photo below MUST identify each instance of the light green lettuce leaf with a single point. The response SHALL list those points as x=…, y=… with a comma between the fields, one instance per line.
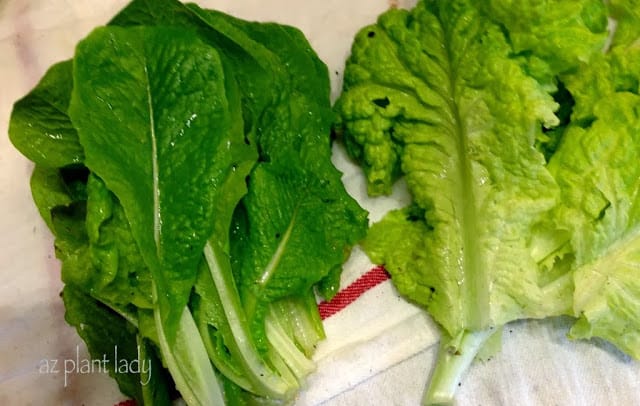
x=440, y=96
x=626, y=14
x=551, y=39
x=460, y=125
x=406, y=231
x=597, y=170
x=552, y=36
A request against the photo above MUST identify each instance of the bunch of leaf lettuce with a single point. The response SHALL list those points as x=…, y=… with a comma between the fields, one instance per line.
x=183, y=165
x=516, y=125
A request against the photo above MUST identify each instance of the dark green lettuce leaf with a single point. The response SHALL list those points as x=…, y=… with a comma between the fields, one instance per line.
x=40, y=128
x=168, y=127
x=290, y=125
x=255, y=67
x=171, y=107
x=152, y=116
x=113, y=340
x=298, y=221
x=119, y=276
x=56, y=188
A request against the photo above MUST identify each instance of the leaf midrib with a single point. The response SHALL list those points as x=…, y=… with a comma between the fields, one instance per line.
x=157, y=218
x=271, y=267
x=474, y=284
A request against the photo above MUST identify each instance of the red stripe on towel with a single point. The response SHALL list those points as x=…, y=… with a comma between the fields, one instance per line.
x=348, y=295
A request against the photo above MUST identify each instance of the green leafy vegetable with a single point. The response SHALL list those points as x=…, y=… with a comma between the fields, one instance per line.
x=515, y=127
x=40, y=127
x=156, y=146
x=111, y=339
x=596, y=168
x=464, y=142
x=172, y=168
x=192, y=179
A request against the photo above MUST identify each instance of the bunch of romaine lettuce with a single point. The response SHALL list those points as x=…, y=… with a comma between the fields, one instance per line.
x=183, y=165
x=516, y=125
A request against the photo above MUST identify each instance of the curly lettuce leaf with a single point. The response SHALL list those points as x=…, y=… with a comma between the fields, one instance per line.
x=553, y=37
x=626, y=14
x=467, y=107
x=597, y=171
x=434, y=94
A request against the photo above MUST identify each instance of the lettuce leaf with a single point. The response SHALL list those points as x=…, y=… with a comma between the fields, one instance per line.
x=136, y=114
x=596, y=168
x=460, y=126
x=110, y=337
x=40, y=127
x=178, y=113
x=459, y=99
x=551, y=37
